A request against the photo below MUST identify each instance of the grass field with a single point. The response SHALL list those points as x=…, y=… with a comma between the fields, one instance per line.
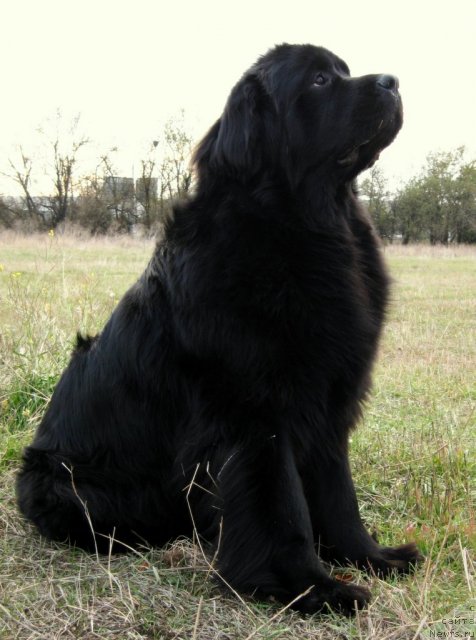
x=414, y=460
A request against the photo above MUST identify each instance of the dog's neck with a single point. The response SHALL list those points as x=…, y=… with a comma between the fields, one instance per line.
x=315, y=201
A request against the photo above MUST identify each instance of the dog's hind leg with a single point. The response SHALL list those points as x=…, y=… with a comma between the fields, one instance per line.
x=47, y=496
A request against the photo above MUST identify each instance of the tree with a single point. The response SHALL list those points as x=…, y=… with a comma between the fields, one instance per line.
x=165, y=174
x=21, y=168
x=7, y=214
x=375, y=191
x=118, y=194
x=408, y=206
x=439, y=205
x=465, y=222
x=92, y=211
x=64, y=150
x=146, y=189
x=178, y=143
x=63, y=143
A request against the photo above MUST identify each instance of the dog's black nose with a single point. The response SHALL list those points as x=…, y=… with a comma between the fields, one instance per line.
x=388, y=82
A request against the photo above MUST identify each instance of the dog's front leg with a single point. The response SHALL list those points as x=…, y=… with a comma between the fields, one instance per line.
x=336, y=521
x=266, y=543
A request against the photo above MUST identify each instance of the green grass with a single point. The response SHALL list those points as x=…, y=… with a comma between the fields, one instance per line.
x=414, y=460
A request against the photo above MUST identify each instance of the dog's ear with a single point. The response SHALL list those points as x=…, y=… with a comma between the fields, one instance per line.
x=238, y=143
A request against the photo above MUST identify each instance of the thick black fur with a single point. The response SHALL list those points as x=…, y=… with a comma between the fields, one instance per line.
x=238, y=363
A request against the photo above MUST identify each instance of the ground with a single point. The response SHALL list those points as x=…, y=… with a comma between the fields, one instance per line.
x=414, y=461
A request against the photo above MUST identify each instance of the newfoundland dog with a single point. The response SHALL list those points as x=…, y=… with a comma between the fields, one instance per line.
x=219, y=397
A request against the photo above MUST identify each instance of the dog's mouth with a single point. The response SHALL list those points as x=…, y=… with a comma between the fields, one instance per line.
x=368, y=151
x=352, y=156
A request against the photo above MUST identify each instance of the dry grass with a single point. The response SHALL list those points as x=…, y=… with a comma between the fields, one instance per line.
x=424, y=251
x=414, y=461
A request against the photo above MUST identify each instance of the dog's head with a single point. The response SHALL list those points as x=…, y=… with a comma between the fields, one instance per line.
x=298, y=111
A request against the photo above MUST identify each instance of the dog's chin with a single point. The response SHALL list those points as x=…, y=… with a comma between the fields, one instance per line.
x=365, y=154
x=360, y=155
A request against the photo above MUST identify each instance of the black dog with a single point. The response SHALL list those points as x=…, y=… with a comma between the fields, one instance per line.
x=225, y=384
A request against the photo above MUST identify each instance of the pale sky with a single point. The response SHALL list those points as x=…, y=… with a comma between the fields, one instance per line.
x=127, y=66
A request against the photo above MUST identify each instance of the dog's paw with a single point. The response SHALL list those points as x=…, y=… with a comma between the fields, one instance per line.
x=388, y=560
x=337, y=596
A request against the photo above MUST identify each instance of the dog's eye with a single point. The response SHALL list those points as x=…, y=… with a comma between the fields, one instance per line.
x=319, y=80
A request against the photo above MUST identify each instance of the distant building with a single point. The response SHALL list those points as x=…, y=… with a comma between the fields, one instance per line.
x=146, y=189
x=118, y=189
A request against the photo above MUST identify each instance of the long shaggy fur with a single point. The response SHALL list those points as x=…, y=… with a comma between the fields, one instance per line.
x=241, y=357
